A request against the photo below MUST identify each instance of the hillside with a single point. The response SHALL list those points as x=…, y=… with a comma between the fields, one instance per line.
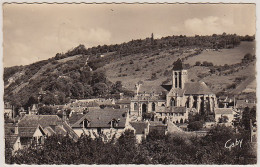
x=95, y=72
x=140, y=67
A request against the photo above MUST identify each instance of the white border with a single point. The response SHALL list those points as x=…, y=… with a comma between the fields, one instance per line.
x=128, y=2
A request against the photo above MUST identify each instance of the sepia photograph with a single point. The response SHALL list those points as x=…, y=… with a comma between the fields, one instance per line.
x=111, y=84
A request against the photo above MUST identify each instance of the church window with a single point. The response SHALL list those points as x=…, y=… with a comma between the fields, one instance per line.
x=176, y=81
x=172, y=102
x=153, y=106
x=135, y=106
x=180, y=82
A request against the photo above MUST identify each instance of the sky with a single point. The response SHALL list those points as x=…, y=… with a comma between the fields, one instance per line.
x=33, y=32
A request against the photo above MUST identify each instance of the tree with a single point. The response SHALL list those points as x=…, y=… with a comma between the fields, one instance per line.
x=223, y=119
x=198, y=63
x=100, y=89
x=196, y=125
x=47, y=110
x=247, y=115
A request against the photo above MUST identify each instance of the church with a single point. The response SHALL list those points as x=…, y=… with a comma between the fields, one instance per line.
x=174, y=101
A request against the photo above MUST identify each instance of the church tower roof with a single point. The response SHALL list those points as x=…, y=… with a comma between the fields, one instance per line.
x=177, y=65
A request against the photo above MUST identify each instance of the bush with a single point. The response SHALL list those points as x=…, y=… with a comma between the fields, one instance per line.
x=196, y=125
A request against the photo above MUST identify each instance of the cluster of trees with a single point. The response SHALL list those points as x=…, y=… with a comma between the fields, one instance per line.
x=62, y=81
x=157, y=148
x=204, y=63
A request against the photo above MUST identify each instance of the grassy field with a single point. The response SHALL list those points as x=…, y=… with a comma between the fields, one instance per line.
x=142, y=67
x=224, y=56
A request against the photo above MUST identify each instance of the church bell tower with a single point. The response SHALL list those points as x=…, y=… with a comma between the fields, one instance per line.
x=179, y=75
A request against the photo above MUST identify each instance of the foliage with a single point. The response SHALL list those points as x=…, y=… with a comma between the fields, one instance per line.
x=156, y=148
x=196, y=125
x=247, y=115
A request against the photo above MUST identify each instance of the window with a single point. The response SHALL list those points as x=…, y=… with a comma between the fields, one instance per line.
x=99, y=130
x=153, y=106
x=135, y=106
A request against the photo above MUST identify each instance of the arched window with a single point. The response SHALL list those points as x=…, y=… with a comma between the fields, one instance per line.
x=175, y=77
x=163, y=105
x=144, y=108
x=181, y=121
x=153, y=106
x=135, y=106
x=172, y=102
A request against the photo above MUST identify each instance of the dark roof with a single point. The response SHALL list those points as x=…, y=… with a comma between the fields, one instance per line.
x=196, y=88
x=11, y=139
x=243, y=104
x=178, y=109
x=156, y=123
x=123, y=101
x=139, y=127
x=9, y=128
x=167, y=87
x=74, y=118
x=223, y=111
x=28, y=131
x=34, y=120
x=177, y=65
x=103, y=117
x=161, y=109
x=70, y=131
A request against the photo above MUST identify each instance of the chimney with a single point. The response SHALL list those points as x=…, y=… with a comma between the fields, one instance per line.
x=16, y=131
x=64, y=116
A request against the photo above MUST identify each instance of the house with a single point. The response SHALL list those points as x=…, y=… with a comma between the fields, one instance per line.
x=12, y=139
x=158, y=127
x=51, y=125
x=141, y=130
x=224, y=115
x=105, y=122
x=123, y=103
x=9, y=110
x=30, y=134
x=242, y=104
x=174, y=114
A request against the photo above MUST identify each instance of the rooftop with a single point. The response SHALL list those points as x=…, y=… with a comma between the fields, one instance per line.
x=139, y=127
x=101, y=118
x=224, y=111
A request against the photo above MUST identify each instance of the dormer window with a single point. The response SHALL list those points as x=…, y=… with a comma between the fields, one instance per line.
x=114, y=123
x=86, y=123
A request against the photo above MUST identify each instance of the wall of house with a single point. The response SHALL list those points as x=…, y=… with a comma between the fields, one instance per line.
x=230, y=117
x=173, y=117
x=109, y=132
x=17, y=145
x=38, y=133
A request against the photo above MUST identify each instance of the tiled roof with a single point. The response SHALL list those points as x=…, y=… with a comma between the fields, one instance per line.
x=171, y=109
x=11, y=139
x=178, y=109
x=176, y=91
x=197, y=88
x=156, y=123
x=27, y=131
x=70, y=131
x=74, y=118
x=50, y=130
x=103, y=117
x=9, y=128
x=224, y=111
x=243, y=104
x=34, y=120
x=139, y=127
x=123, y=101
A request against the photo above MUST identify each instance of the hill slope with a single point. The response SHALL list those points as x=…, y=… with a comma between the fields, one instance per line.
x=94, y=72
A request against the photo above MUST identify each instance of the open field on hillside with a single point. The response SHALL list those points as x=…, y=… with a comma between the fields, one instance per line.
x=224, y=56
x=143, y=66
